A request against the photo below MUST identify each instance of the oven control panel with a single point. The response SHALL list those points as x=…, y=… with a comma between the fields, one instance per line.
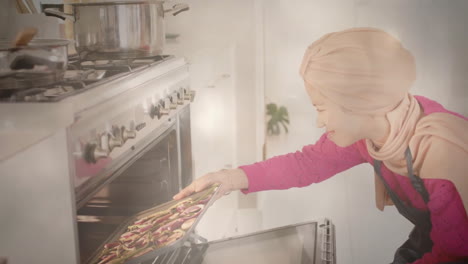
x=105, y=137
x=115, y=136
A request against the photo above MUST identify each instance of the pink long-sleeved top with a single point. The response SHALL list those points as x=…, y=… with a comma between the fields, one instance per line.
x=324, y=159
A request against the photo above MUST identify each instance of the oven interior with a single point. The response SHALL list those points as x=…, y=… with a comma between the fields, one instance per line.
x=150, y=180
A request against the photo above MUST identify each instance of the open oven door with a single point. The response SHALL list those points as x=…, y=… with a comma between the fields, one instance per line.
x=306, y=243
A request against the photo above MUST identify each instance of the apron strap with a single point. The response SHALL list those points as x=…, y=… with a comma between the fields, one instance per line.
x=416, y=181
x=401, y=207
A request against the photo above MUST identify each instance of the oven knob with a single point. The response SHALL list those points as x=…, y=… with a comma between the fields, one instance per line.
x=92, y=153
x=115, y=139
x=114, y=142
x=163, y=107
x=159, y=111
x=189, y=95
x=180, y=98
x=173, y=102
x=163, y=110
x=126, y=134
x=153, y=111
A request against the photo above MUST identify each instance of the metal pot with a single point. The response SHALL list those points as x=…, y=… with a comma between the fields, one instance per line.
x=42, y=62
x=119, y=30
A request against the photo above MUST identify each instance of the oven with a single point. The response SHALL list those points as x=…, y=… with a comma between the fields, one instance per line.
x=116, y=134
x=151, y=176
x=129, y=153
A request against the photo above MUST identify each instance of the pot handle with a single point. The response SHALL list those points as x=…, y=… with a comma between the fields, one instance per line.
x=59, y=14
x=178, y=8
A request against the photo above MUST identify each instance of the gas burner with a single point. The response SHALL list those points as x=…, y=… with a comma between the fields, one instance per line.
x=80, y=76
x=126, y=65
x=87, y=76
x=43, y=94
x=74, y=80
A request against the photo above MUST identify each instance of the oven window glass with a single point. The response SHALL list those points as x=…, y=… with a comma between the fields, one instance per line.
x=150, y=180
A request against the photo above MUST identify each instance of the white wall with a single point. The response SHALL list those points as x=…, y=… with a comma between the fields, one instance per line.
x=218, y=40
x=216, y=26
x=434, y=31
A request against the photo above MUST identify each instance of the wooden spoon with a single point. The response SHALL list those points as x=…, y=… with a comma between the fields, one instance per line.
x=24, y=36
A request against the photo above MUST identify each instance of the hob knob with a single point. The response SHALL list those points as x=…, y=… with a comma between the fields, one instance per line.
x=189, y=95
x=115, y=139
x=180, y=98
x=173, y=102
x=159, y=111
x=115, y=142
x=163, y=107
x=127, y=134
x=92, y=153
x=153, y=111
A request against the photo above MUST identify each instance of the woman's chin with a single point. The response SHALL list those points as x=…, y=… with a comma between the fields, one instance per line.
x=342, y=142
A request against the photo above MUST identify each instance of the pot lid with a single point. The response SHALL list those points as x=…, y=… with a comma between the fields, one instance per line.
x=123, y=2
x=37, y=43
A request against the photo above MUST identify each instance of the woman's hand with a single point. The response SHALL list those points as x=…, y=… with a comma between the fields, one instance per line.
x=230, y=180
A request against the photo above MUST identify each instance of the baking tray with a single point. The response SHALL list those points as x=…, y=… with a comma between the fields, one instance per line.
x=95, y=257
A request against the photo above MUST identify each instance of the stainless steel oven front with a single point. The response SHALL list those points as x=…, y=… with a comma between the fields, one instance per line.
x=129, y=154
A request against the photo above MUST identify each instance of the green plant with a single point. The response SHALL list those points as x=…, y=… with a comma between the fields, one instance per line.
x=278, y=115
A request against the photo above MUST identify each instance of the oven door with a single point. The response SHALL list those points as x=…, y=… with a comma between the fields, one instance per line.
x=305, y=243
x=149, y=178
x=308, y=243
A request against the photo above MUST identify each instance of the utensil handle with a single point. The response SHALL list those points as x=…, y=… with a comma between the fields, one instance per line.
x=178, y=8
x=24, y=36
x=59, y=14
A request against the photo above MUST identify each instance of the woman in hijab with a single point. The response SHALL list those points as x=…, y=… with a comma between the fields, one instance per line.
x=359, y=80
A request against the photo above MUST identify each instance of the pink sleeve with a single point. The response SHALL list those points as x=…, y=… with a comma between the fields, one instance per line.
x=313, y=164
x=431, y=106
x=449, y=225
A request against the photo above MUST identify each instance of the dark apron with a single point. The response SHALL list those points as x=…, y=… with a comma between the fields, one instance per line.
x=419, y=241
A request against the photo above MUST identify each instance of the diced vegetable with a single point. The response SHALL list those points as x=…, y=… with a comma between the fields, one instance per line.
x=111, y=245
x=107, y=258
x=188, y=223
x=154, y=231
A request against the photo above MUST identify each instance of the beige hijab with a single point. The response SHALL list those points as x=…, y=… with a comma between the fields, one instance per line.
x=368, y=71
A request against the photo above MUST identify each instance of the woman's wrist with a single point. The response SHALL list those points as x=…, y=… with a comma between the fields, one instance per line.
x=238, y=179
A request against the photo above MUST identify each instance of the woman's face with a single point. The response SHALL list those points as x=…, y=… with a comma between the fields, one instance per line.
x=343, y=127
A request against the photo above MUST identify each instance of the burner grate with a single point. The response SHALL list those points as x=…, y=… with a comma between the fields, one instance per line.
x=43, y=94
x=79, y=77
x=121, y=65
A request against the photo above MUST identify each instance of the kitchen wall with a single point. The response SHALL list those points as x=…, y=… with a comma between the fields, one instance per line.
x=11, y=22
x=434, y=31
x=218, y=40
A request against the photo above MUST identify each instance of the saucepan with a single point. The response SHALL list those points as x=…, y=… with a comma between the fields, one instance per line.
x=32, y=63
x=120, y=29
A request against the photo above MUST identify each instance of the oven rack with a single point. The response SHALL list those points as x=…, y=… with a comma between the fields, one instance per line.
x=191, y=252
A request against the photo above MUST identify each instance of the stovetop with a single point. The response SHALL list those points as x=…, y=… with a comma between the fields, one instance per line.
x=80, y=76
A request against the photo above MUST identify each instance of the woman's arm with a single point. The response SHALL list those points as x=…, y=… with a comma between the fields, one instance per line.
x=313, y=164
